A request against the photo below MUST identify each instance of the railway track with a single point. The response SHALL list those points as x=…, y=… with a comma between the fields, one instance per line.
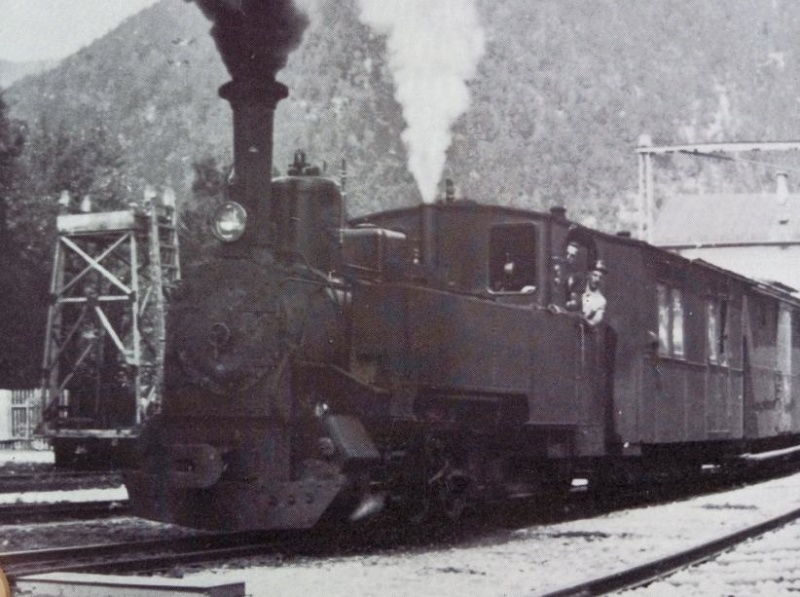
x=160, y=555
x=655, y=570
x=766, y=566
x=25, y=513
x=140, y=556
x=56, y=480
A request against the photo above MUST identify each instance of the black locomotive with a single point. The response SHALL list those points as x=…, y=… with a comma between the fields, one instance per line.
x=424, y=359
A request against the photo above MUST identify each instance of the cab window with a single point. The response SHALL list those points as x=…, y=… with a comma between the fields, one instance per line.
x=512, y=258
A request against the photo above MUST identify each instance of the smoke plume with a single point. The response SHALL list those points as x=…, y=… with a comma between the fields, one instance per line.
x=254, y=37
x=434, y=47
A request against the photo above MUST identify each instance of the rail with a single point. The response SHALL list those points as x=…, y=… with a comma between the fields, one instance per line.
x=654, y=570
x=19, y=513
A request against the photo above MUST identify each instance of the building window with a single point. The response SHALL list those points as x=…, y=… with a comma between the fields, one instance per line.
x=670, y=322
x=717, y=327
x=512, y=258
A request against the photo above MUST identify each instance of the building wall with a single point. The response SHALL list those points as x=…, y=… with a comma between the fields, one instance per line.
x=19, y=414
x=5, y=415
x=770, y=263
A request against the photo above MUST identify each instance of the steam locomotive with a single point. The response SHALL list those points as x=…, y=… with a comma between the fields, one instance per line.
x=425, y=359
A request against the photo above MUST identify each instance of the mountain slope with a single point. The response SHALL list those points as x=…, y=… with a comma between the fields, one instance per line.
x=563, y=94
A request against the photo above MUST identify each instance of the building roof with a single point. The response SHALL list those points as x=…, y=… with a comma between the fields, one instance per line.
x=727, y=219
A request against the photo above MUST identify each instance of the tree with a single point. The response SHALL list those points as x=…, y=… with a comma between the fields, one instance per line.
x=12, y=141
x=83, y=162
x=208, y=191
x=17, y=356
x=86, y=161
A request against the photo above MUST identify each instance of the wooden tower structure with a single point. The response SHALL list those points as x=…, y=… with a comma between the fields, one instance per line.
x=104, y=345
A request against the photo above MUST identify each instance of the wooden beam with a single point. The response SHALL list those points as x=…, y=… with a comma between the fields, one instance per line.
x=100, y=585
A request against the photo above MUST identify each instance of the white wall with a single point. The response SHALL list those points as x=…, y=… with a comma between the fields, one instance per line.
x=5, y=415
x=776, y=263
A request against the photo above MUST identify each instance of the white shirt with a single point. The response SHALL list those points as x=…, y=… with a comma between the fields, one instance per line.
x=593, y=306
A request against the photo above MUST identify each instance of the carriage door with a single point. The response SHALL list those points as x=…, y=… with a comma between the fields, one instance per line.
x=719, y=385
x=595, y=389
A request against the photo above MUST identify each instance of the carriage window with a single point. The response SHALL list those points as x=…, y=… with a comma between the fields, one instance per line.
x=512, y=258
x=784, y=344
x=717, y=325
x=670, y=321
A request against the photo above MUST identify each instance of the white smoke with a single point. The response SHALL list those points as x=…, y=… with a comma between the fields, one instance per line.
x=434, y=47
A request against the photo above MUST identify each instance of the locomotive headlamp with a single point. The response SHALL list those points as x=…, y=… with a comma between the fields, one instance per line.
x=229, y=222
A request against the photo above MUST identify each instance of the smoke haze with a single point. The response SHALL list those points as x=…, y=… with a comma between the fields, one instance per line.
x=434, y=48
x=254, y=37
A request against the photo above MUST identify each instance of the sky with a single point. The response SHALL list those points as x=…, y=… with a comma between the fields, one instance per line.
x=54, y=29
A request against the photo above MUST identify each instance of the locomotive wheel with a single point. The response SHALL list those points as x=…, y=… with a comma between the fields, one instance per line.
x=444, y=498
x=452, y=497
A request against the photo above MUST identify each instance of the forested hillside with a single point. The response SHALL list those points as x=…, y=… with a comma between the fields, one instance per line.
x=565, y=90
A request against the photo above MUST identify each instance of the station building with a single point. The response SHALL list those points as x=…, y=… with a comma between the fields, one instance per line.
x=756, y=235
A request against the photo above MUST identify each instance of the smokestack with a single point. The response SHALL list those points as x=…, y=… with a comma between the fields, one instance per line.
x=253, y=108
x=254, y=38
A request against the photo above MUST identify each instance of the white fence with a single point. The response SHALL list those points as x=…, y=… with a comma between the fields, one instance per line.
x=20, y=413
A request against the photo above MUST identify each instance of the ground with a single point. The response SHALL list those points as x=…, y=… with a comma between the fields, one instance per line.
x=527, y=561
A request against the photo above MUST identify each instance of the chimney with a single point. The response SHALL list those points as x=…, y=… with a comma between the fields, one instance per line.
x=559, y=212
x=253, y=104
x=782, y=195
x=782, y=187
